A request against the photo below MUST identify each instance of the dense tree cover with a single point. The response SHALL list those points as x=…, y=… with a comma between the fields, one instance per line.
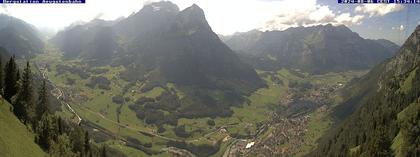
x=25, y=100
x=386, y=121
x=203, y=150
x=370, y=131
x=61, y=69
x=410, y=132
x=100, y=81
x=10, y=79
x=152, y=110
x=43, y=103
x=54, y=135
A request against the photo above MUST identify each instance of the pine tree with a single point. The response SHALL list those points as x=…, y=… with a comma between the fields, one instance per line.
x=10, y=79
x=87, y=143
x=62, y=148
x=43, y=103
x=77, y=140
x=25, y=97
x=18, y=79
x=60, y=125
x=43, y=131
x=103, y=152
x=379, y=145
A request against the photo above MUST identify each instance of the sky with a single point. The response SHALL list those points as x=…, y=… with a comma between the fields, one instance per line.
x=388, y=21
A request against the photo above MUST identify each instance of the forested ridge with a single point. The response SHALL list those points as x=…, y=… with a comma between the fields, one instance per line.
x=387, y=123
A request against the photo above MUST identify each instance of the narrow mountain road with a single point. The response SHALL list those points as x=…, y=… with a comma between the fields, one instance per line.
x=60, y=95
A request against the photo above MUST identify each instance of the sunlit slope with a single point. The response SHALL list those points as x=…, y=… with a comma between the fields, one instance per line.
x=15, y=139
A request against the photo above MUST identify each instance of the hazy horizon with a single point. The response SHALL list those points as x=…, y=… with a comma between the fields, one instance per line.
x=229, y=17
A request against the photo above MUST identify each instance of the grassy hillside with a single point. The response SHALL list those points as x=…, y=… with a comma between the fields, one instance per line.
x=15, y=139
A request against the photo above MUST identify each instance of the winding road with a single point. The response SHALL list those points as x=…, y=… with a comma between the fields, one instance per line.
x=60, y=95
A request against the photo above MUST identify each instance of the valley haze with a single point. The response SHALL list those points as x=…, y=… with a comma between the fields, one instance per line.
x=210, y=79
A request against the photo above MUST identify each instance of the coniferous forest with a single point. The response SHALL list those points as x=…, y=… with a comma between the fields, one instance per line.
x=57, y=137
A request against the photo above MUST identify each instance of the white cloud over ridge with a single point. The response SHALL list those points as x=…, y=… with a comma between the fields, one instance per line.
x=378, y=9
x=310, y=15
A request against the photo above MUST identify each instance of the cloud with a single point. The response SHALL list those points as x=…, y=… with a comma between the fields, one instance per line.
x=4, y=10
x=347, y=19
x=230, y=16
x=310, y=15
x=378, y=9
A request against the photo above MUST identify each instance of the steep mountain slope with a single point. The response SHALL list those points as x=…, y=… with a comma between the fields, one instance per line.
x=191, y=54
x=388, y=44
x=18, y=37
x=151, y=20
x=15, y=140
x=4, y=55
x=161, y=45
x=317, y=49
x=386, y=121
x=94, y=41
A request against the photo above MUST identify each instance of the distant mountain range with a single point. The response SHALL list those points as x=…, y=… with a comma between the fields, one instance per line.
x=18, y=37
x=317, y=49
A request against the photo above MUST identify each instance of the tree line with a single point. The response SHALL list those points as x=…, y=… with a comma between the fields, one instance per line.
x=57, y=137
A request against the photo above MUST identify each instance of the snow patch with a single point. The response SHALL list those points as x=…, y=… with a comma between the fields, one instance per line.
x=156, y=8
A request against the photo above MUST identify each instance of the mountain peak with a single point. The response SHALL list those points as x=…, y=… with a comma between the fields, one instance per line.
x=414, y=38
x=195, y=6
x=194, y=10
x=335, y=27
x=192, y=19
x=164, y=6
